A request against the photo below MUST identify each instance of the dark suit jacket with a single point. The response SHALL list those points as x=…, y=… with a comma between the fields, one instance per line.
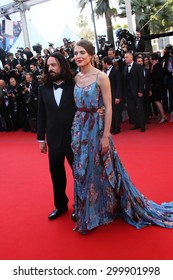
x=147, y=80
x=116, y=83
x=136, y=80
x=53, y=120
x=140, y=47
x=34, y=88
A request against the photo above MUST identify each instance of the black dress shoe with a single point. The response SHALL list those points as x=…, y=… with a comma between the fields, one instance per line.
x=57, y=212
x=134, y=127
x=116, y=131
x=143, y=129
x=9, y=129
x=73, y=216
x=26, y=129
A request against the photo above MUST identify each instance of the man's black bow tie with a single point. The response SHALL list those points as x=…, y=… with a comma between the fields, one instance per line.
x=107, y=69
x=58, y=86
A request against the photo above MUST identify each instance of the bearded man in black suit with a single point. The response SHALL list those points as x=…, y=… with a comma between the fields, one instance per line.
x=56, y=110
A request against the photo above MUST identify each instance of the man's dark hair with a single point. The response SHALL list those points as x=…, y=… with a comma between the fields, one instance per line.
x=33, y=63
x=107, y=60
x=66, y=72
x=154, y=56
x=111, y=49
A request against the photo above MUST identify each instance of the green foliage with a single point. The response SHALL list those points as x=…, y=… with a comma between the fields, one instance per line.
x=85, y=31
x=82, y=21
x=117, y=26
x=151, y=15
x=82, y=3
x=102, y=8
x=87, y=34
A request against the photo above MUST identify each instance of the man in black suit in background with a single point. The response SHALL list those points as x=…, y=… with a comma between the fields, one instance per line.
x=116, y=91
x=139, y=43
x=31, y=90
x=147, y=89
x=56, y=110
x=133, y=83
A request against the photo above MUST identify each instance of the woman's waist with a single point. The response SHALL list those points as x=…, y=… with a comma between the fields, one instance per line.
x=91, y=114
x=88, y=110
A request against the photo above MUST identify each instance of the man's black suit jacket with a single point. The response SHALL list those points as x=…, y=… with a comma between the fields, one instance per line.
x=55, y=121
x=116, y=84
x=140, y=47
x=147, y=80
x=34, y=87
x=136, y=80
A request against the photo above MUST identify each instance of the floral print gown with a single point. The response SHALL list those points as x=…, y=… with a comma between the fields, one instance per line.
x=103, y=190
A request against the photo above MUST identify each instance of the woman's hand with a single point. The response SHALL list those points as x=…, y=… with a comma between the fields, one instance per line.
x=101, y=111
x=104, y=143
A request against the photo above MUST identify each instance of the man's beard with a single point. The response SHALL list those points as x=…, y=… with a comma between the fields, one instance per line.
x=56, y=77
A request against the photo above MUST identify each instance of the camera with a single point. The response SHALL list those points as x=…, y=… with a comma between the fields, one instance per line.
x=101, y=39
x=37, y=48
x=125, y=36
x=23, y=86
x=21, y=52
x=19, y=49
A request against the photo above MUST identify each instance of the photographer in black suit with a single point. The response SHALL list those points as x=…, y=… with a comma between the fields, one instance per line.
x=31, y=90
x=56, y=109
x=7, y=73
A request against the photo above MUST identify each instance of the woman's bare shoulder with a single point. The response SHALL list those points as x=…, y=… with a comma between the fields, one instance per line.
x=101, y=76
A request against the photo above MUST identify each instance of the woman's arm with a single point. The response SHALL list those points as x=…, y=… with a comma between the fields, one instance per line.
x=104, y=84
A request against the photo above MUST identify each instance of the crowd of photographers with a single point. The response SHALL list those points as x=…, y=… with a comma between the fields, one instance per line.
x=21, y=75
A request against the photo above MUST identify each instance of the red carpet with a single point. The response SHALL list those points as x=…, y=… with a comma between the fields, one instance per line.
x=26, y=200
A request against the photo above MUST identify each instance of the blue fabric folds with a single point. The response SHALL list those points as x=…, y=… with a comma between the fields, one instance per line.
x=103, y=190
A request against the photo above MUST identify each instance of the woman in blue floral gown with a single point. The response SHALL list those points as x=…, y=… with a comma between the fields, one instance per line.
x=103, y=190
